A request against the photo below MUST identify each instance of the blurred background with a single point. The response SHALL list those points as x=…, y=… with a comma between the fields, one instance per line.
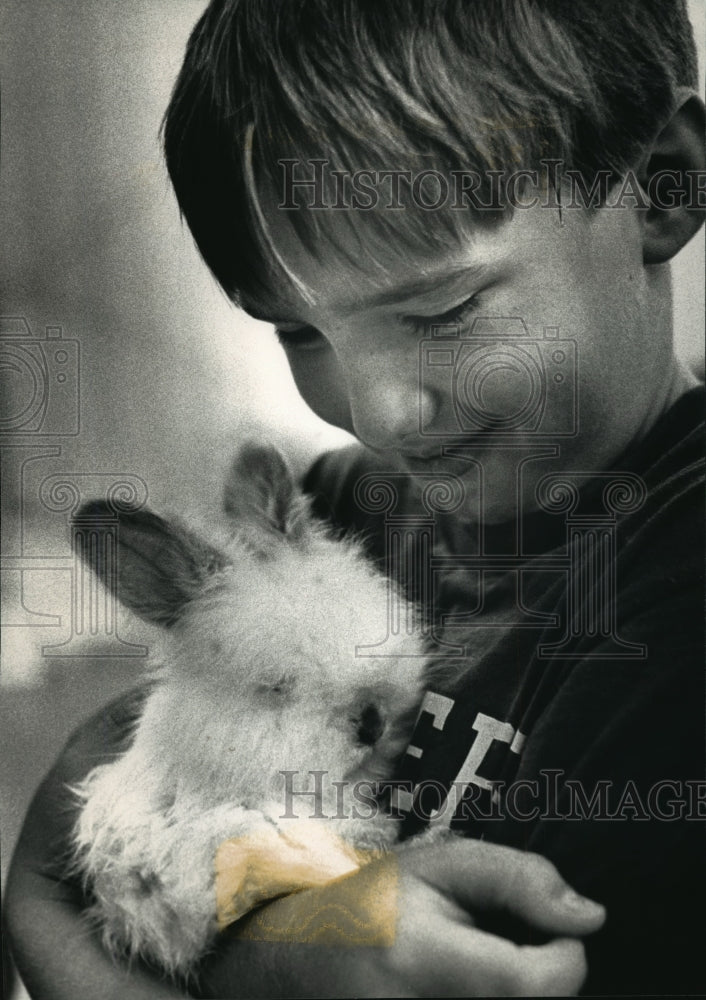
x=140, y=372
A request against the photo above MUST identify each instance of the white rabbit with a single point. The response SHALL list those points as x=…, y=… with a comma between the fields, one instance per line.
x=259, y=675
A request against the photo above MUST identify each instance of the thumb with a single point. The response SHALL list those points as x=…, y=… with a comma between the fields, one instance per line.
x=483, y=876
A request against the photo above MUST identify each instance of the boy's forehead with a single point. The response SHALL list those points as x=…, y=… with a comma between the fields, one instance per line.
x=352, y=266
x=353, y=261
x=370, y=254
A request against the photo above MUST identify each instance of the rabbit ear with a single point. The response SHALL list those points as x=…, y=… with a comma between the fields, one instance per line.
x=160, y=567
x=261, y=494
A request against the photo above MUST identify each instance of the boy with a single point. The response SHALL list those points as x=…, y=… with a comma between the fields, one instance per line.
x=459, y=217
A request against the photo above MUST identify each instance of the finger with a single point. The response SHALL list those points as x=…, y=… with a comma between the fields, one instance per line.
x=480, y=876
x=500, y=968
x=470, y=962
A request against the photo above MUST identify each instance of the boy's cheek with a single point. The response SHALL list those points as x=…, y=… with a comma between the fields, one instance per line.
x=318, y=377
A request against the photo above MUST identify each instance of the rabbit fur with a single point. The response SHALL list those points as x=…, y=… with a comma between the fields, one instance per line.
x=258, y=674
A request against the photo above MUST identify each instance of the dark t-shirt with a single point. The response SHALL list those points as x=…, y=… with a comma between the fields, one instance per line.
x=573, y=723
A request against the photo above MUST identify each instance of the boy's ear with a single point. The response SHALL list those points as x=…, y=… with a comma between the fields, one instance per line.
x=262, y=496
x=679, y=147
x=160, y=567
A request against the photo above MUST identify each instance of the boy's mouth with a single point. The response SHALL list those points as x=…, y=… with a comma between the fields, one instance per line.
x=433, y=459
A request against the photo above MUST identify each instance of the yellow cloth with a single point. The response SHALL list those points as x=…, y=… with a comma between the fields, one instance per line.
x=257, y=867
x=265, y=865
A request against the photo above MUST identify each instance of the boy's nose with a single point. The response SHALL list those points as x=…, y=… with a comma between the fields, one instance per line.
x=390, y=413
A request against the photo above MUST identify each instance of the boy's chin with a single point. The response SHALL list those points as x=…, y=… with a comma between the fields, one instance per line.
x=494, y=491
x=497, y=482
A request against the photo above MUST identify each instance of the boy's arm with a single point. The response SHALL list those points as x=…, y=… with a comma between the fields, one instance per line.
x=436, y=950
x=55, y=951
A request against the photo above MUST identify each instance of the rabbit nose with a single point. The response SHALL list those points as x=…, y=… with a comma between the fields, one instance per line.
x=371, y=726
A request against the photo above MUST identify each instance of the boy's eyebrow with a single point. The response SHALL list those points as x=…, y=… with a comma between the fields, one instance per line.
x=411, y=290
x=418, y=287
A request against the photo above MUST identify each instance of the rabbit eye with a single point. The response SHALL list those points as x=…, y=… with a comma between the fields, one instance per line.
x=370, y=726
x=277, y=689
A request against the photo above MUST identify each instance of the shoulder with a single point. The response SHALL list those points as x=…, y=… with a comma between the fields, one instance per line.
x=661, y=543
x=331, y=479
x=334, y=485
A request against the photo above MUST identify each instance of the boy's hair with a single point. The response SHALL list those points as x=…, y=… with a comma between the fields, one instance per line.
x=454, y=85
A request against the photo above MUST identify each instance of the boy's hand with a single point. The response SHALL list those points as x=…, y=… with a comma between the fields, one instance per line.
x=435, y=949
x=432, y=889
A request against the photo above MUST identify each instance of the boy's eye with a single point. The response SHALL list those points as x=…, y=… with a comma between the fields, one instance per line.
x=458, y=314
x=300, y=338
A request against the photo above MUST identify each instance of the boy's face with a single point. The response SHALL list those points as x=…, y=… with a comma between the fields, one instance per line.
x=355, y=351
